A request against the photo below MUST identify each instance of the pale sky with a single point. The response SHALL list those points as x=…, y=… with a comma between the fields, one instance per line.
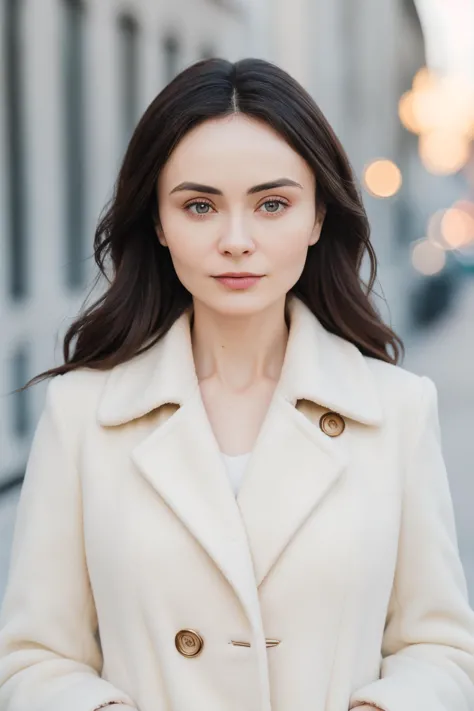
x=449, y=31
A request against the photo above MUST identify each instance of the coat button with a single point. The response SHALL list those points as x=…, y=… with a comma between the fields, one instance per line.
x=332, y=424
x=188, y=643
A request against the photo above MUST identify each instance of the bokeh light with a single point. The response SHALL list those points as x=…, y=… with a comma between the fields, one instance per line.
x=406, y=112
x=424, y=79
x=457, y=227
x=428, y=258
x=448, y=104
x=443, y=152
x=440, y=110
x=382, y=178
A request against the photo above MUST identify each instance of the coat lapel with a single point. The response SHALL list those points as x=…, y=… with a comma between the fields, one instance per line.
x=180, y=457
x=182, y=462
x=293, y=465
x=292, y=468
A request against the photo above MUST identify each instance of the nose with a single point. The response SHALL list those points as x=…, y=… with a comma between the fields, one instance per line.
x=237, y=239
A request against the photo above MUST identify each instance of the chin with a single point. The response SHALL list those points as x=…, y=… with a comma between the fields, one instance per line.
x=240, y=304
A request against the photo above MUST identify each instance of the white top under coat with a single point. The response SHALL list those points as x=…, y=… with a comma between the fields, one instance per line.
x=235, y=465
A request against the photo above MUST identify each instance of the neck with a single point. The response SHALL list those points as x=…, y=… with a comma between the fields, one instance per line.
x=239, y=352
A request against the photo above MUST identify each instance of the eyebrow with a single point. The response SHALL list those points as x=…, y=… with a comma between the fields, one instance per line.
x=199, y=188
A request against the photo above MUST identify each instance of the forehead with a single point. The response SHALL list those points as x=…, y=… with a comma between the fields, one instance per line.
x=237, y=148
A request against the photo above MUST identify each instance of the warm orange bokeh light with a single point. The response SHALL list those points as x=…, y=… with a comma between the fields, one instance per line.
x=438, y=103
x=382, y=178
x=443, y=152
x=407, y=114
x=457, y=228
x=427, y=258
x=429, y=109
x=424, y=79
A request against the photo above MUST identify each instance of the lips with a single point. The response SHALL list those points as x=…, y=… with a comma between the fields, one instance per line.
x=238, y=281
x=238, y=274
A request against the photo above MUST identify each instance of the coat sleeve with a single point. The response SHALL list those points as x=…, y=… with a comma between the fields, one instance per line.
x=50, y=658
x=428, y=643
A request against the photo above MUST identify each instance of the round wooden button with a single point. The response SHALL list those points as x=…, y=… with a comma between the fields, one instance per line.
x=332, y=424
x=188, y=643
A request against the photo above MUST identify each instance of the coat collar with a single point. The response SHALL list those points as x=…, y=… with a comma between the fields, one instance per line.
x=318, y=366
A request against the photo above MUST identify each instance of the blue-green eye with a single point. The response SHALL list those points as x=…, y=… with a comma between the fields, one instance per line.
x=203, y=207
x=199, y=204
x=274, y=204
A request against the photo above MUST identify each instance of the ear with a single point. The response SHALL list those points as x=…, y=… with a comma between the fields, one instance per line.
x=157, y=224
x=160, y=234
x=318, y=224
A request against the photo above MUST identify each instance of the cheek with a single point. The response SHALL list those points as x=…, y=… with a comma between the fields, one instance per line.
x=288, y=242
x=286, y=250
x=187, y=257
x=184, y=241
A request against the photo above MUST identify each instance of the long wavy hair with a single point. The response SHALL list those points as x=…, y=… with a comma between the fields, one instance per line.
x=144, y=296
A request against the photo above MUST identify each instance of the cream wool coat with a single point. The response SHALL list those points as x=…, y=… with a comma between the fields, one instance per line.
x=343, y=549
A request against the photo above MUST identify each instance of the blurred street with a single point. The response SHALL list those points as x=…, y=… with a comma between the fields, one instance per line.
x=445, y=355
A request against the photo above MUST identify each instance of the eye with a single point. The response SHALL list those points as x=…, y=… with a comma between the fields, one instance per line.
x=203, y=208
x=199, y=204
x=275, y=205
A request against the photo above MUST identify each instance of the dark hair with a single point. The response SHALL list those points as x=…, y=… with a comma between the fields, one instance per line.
x=144, y=295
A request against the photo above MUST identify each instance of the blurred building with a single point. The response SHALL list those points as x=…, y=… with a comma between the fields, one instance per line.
x=75, y=78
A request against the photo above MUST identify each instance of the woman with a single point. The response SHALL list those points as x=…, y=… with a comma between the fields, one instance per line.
x=235, y=499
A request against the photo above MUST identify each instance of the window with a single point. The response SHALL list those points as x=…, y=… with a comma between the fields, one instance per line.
x=74, y=149
x=129, y=39
x=21, y=401
x=172, y=51
x=14, y=145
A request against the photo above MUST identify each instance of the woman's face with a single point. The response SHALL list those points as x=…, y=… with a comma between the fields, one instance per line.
x=229, y=221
